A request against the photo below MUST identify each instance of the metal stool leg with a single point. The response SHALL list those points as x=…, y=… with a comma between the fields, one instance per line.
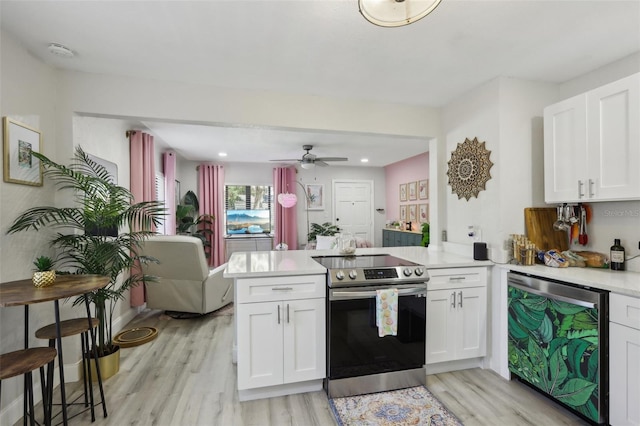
x=93, y=332
x=32, y=419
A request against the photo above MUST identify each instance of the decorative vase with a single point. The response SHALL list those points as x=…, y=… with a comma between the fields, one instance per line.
x=109, y=365
x=44, y=278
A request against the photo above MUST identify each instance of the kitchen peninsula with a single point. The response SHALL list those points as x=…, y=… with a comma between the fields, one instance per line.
x=281, y=322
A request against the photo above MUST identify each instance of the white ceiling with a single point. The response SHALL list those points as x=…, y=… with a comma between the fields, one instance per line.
x=325, y=48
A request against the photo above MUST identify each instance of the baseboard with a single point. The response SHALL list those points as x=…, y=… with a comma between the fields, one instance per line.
x=464, y=364
x=280, y=390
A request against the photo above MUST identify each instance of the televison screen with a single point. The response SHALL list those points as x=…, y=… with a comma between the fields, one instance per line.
x=248, y=221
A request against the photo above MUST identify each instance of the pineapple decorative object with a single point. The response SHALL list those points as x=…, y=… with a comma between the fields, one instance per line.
x=44, y=274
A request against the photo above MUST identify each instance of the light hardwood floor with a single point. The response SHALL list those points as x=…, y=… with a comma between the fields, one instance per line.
x=186, y=377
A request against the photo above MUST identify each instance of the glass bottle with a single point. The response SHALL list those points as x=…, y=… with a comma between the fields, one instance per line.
x=617, y=256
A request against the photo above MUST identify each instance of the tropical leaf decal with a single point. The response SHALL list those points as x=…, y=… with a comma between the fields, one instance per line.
x=554, y=346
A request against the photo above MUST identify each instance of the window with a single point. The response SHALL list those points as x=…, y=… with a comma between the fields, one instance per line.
x=160, y=197
x=248, y=209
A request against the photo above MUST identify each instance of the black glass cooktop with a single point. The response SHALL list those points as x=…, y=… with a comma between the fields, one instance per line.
x=364, y=261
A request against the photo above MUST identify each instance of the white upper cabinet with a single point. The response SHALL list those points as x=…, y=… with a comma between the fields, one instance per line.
x=592, y=145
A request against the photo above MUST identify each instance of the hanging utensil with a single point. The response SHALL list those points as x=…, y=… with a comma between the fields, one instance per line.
x=583, y=238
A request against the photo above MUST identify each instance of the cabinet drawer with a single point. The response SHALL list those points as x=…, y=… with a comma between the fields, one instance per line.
x=624, y=310
x=456, y=278
x=251, y=290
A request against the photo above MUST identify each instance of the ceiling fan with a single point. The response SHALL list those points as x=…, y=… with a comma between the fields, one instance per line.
x=309, y=160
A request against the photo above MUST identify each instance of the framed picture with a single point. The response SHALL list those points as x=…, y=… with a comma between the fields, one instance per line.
x=413, y=191
x=403, y=192
x=423, y=189
x=315, y=196
x=413, y=213
x=403, y=213
x=20, y=141
x=423, y=213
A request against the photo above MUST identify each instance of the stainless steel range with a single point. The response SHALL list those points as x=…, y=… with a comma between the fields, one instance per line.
x=358, y=360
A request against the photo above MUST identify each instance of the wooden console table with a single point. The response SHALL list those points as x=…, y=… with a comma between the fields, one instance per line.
x=24, y=293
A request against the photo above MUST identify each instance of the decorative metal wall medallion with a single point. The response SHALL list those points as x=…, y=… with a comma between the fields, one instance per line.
x=469, y=168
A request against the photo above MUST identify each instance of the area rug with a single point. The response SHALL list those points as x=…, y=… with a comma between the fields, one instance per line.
x=411, y=406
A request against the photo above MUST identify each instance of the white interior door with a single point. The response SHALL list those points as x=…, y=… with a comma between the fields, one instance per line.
x=352, y=207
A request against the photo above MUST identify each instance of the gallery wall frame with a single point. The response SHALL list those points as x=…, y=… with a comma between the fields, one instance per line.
x=403, y=192
x=403, y=213
x=423, y=213
x=423, y=189
x=413, y=191
x=315, y=196
x=20, y=142
x=413, y=212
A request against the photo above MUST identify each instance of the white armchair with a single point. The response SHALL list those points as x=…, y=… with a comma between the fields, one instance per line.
x=185, y=282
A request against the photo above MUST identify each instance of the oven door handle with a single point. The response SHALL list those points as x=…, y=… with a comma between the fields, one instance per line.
x=354, y=294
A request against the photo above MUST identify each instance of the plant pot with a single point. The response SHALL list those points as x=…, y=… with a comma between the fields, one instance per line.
x=109, y=365
x=44, y=278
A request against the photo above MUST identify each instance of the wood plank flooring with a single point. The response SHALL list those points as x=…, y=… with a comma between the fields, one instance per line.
x=185, y=377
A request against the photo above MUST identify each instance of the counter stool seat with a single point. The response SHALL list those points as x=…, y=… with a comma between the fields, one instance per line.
x=72, y=327
x=23, y=362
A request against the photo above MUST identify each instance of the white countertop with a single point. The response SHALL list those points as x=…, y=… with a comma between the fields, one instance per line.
x=299, y=262
x=623, y=282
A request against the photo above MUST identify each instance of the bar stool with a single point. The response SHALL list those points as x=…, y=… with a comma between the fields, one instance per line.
x=23, y=362
x=73, y=327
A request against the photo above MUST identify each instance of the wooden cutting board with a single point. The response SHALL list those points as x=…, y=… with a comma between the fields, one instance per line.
x=538, y=222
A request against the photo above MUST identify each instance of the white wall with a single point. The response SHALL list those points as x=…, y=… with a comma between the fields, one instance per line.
x=27, y=94
x=505, y=113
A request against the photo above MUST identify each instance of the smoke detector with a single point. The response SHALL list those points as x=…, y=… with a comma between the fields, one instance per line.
x=60, y=50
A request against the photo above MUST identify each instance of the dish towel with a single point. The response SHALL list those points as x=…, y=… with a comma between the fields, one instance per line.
x=387, y=312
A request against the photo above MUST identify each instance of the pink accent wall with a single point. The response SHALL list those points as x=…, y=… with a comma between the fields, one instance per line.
x=412, y=169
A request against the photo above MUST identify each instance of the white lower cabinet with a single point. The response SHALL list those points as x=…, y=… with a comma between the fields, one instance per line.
x=280, y=331
x=280, y=342
x=624, y=360
x=456, y=314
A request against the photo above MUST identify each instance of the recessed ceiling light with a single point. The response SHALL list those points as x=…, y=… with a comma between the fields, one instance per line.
x=364, y=160
x=60, y=50
x=222, y=154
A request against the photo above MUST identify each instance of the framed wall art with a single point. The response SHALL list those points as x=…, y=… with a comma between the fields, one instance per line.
x=403, y=213
x=413, y=213
x=20, y=142
x=413, y=191
x=403, y=192
x=469, y=168
x=423, y=213
x=315, y=196
x=423, y=189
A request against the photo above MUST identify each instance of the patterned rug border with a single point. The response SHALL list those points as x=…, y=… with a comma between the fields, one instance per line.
x=446, y=417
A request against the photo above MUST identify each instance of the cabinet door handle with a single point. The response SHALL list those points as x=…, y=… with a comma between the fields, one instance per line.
x=453, y=299
x=288, y=313
x=591, y=183
x=460, y=301
x=281, y=288
x=457, y=278
x=278, y=314
x=580, y=185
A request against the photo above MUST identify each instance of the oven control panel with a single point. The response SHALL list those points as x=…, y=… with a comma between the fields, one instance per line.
x=353, y=276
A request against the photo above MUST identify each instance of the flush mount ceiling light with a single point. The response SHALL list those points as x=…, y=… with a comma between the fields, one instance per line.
x=395, y=13
x=60, y=50
x=307, y=166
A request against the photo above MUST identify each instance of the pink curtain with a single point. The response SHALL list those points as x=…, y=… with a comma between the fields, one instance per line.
x=142, y=184
x=284, y=181
x=169, y=167
x=211, y=198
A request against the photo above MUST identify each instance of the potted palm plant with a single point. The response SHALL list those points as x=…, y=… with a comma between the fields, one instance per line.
x=102, y=234
x=187, y=223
